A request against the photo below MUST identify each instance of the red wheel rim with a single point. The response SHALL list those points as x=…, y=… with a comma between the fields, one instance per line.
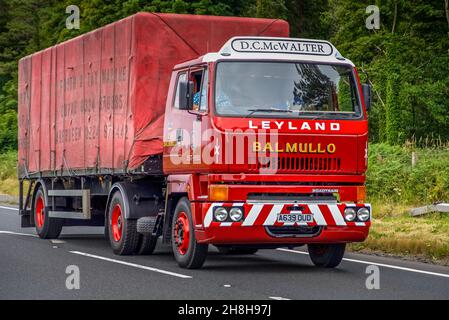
x=117, y=222
x=40, y=212
x=182, y=233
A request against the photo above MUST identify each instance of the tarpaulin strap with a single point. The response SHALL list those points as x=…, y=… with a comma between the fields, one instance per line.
x=130, y=61
x=69, y=170
x=166, y=23
x=268, y=27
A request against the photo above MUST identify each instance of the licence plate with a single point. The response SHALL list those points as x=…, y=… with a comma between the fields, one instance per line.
x=295, y=217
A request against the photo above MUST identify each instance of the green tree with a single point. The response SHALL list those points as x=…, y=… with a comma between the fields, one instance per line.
x=276, y=9
x=306, y=18
x=394, y=123
x=411, y=41
x=406, y=60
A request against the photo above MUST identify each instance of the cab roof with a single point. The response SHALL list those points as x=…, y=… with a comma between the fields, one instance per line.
x=276, y=49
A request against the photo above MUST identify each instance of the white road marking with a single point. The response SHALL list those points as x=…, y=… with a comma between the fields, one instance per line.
x=18, y=233
x=279, y=298
x=9, y=208
x=9, y=211
x=290, y=250
x=174, y=274
x=55, y=241
x=379, y=264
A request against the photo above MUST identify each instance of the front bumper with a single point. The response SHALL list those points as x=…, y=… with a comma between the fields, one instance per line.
x=260, y=219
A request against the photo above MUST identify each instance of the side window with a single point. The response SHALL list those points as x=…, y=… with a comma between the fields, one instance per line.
x=181, y=77
x=204, y=92
x=200, y=79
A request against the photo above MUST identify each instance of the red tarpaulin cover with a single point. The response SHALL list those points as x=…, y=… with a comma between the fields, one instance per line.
x=97, y=102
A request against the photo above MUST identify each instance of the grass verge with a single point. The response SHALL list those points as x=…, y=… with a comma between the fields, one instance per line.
x=394, y=187
x=8, y=173
x=394, y=232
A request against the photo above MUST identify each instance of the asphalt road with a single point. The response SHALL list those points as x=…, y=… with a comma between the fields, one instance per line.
x=31, y=268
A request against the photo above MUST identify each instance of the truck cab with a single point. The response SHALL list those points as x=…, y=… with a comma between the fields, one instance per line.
x=268, y=140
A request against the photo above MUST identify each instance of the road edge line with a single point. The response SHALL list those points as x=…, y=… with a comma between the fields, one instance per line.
x=379, y=264
x=18, y=233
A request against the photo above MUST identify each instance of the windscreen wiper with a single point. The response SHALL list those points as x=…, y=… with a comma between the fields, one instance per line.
x=268, y=110
x=326, y=114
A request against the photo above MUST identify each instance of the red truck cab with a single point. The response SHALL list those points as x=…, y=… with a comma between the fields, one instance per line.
x=275, y=131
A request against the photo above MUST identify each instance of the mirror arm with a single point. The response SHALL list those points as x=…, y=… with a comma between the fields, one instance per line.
x=199, y=115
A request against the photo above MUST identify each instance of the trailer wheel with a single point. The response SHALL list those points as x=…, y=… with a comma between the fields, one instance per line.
x=236, y=250
x=46, y=227
x=146, y=245
x=326, y=255
x=187, y=251
x=123, y=235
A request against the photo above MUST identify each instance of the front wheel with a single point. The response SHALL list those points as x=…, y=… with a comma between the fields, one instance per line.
x=187, y=251
x=326, y=255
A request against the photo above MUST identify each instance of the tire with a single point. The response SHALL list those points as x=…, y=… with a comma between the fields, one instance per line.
x=326, y=255
x=187, y=251
x=123, y=235
x=147, y=244
x=46, y=227
x=236, y=250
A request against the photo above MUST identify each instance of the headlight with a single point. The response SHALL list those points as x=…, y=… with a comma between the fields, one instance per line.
x=220, y=214
x=350, y=214
x=363, y=214
x=236, y=214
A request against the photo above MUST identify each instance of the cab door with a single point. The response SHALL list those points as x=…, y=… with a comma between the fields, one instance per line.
x=183, y=128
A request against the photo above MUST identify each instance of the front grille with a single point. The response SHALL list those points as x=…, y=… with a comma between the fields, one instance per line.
x=293, y=231
x=296, y=164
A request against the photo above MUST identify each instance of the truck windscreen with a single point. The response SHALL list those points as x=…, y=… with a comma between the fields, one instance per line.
x=286, y=90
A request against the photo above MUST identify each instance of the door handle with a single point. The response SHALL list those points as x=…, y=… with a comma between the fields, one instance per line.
x=179, y=135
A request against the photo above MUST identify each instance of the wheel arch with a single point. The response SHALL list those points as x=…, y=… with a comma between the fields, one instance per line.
x=171, y=203
x=116, y=187
x=141, y=199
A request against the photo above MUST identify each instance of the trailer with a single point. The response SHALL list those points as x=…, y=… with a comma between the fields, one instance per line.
x=198, y=130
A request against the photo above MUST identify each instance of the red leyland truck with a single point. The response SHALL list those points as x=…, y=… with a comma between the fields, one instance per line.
x=198, y=130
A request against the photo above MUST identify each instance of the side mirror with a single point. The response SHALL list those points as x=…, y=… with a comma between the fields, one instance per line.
x=186, y=95
x=367, y=95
